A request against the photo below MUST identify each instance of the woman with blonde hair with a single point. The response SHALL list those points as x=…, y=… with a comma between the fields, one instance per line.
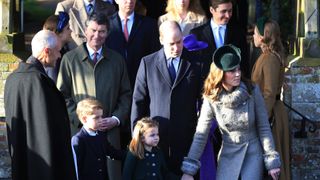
x=268, y=73
x=188, y=13
x=237, y=105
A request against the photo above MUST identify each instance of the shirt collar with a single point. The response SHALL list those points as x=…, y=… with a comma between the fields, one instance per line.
x=214, y=25
x=91, y=51
x=130, y=17
x=86, y=2
x=90, y=132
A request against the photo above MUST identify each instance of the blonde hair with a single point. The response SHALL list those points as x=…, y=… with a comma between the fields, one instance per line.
x=213, y=83
x=271, y=40
x=194, y=8
x=136, y=144
x=87, y=106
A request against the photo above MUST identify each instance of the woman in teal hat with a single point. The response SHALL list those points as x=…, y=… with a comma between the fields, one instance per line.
x=238, y=107
x=268, y=73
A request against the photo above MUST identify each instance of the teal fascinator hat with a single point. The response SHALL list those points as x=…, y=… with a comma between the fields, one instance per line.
x=227, y=57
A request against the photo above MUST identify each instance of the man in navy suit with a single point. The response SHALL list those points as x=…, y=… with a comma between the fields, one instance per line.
x=132, y=35
x=220, y=31
x=167, y=88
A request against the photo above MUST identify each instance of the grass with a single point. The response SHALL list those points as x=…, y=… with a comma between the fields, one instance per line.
x=8, y=58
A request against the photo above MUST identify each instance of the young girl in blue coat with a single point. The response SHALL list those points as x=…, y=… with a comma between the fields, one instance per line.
x=144, y=159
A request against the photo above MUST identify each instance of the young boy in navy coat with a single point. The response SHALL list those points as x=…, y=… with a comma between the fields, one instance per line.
x=90, y=146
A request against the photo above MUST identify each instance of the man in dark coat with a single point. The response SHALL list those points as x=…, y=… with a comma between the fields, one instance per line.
x=36, y=115
x=169, y=96
x=230, y=33
x=143, y=36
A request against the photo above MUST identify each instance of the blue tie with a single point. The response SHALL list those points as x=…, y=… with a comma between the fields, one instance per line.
x=172, y=71
x=90, y=9
x=219, y=39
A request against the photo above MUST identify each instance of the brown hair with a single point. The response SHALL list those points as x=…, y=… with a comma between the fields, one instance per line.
x=213, y=83
x=87, y=107
x=215, y=3
x=136, y=145
x=272, y=41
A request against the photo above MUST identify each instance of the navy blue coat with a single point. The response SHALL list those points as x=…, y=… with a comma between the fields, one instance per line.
x=174, y=106
x=92, y=153
x=143, y=40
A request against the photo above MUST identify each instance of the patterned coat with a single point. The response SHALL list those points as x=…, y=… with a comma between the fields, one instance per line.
x=246, y=136
x=268, y=73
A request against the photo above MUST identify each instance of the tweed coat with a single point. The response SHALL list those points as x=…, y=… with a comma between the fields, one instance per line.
x=247, y=139
x=234, y=35
x=37, y=125
x=143, y=40
x=172, y=105
x=107, y=81
x=79, y=17
x=191, y=21
x=268, y=73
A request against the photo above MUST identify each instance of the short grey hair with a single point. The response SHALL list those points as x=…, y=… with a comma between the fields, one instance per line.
x=43, y=39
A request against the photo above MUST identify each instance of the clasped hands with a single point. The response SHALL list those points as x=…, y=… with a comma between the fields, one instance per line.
x=106, y=123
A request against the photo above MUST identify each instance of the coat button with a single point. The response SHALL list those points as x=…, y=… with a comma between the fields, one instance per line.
x=152, y=155
x=100, y=170
x=147, y=154
x=153, y=164
x=99, y=159
x=153, y=174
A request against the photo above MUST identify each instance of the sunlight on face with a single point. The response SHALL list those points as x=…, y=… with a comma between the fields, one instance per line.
x=151, y=138
x=222, y=14
x=231, y=78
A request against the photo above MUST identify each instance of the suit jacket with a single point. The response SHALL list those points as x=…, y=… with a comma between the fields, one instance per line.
x=37, y=125
x=78, y=17
x=234, y=35
x=91, y=154
x=172, y=105
x=143, y=40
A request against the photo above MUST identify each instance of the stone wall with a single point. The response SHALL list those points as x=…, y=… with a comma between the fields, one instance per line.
x=8, y=63
x=303, y=94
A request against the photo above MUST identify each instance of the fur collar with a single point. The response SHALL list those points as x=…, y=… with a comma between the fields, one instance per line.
x=233, y=99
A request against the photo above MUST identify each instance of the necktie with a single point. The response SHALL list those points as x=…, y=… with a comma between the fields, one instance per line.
x=90, y=9
x=219, y=40
x=172, y=71
x=125, y=30
x=95, y=58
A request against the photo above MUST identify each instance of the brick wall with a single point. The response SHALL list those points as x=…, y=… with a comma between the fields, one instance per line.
x=303, y=94
x=7, y=64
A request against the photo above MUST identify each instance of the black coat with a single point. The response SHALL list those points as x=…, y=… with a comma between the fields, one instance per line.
x=234, y=35
x=173, y=106
x=37, y=125
x=143, y=40
x=91, y=155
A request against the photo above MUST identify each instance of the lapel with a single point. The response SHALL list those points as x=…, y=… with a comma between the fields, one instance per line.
x=135, y=26
x=208, y=34
x=228, y=36
x=117, y=26
x=161, y=64
x=79, y=15
x=183, y=68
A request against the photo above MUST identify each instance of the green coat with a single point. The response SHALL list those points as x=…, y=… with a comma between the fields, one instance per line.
x=106, y=81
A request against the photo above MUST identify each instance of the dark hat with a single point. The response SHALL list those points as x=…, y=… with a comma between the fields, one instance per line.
x=227, y=57
x=191, y=43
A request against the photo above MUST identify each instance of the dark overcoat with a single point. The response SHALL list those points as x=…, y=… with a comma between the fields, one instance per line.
x=172, y=105
x=91, y=154
x=143, y=40
x=37, y=126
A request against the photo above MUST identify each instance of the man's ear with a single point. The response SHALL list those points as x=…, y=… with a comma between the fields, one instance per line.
x=84, y=119
x=160, y=39
x=212, y=10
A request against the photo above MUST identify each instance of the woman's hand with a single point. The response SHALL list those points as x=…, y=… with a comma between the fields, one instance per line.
x=186, y=177
x=274, y=173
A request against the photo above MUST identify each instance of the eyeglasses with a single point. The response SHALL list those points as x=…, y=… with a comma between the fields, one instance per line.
x=63, y=20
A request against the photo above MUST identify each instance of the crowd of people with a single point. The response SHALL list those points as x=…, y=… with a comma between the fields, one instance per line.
x=111, y=94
